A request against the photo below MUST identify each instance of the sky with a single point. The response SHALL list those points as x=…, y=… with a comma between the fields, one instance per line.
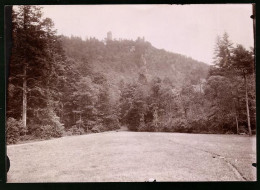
x=190, y=30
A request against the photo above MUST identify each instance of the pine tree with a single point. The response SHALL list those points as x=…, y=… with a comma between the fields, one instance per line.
x=35, y=66
x=223, y=52
x=243, y=64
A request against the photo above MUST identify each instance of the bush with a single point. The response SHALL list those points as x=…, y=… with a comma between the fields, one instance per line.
x=98, y=128
x=88, y=125
x=111, y=122
x=34, y=129
x=27, y=138
x=14, y=129
x=199, y=125
x=95, y=129
x=142, y=127
x=47, y=126
x=74, y=130
x=45, y=131
x=175, y=125
x=133, y=119
x=243, y=129
x=150, y=127
x=180, y=125
x=193, y=125
x=67, y=133
x=167, y=126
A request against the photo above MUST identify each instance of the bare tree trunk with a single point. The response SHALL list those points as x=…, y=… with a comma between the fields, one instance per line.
x=247, y=109
x=236, y=118
x=237, y=125
x=24, y=114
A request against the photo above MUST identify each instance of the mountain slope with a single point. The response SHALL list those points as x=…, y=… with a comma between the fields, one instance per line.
x=126, y=59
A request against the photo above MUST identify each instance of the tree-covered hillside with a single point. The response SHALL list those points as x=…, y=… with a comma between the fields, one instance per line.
x=124, y=60
x=60, y=85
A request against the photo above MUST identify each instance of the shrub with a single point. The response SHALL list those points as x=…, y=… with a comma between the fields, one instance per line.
x=167, y=126
x=180, y=125
x=35, y=130
x=175, y=125
x=46, y=131
x=14, y=129
x=47, y=125
x=243, y=129
x=88, y=125
x=98, y=128
x=67, y=133
x=111, y=122
x=74, y=130
x=133, y=119
x=166, y=129
x=58, y=129
x=27, y=138
x=199, y=125
x=150, y=127
x=95, y=130
x=142, y=127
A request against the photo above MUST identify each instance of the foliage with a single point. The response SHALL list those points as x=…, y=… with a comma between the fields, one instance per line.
x=229, y=85
x=36, y=76
x=180, y=125
x=99, y=128
x=223, y=51
x=45, y=131
x=14, y=129
x=74, y=130
x=144, y=102
x=111, y=122
x=74, y=85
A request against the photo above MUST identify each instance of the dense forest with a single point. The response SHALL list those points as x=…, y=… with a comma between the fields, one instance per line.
x=59, y=85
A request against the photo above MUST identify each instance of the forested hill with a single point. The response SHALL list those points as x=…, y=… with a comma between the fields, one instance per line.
x=126, y=60
x=69, y=86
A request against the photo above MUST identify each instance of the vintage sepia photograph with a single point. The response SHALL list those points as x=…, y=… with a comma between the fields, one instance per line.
x=131, y=93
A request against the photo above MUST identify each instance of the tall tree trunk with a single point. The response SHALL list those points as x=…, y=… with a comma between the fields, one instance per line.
x=236, y=118
x=24, y=114
x=247, y=108
x=237, y=124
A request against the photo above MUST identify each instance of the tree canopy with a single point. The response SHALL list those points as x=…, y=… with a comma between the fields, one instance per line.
x=62, y=85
